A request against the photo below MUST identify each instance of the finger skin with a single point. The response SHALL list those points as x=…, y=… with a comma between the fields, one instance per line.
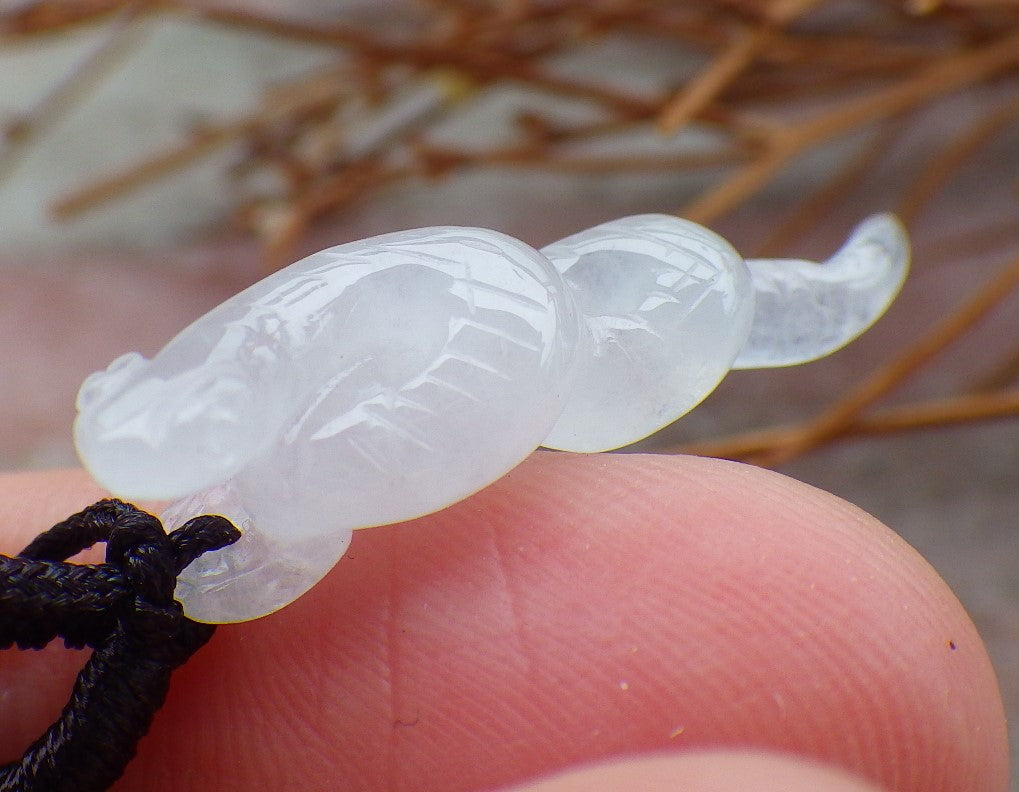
x=703, y=771
x=581, y=608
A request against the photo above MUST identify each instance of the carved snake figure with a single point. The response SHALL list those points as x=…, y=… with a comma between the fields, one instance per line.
x=383, y=379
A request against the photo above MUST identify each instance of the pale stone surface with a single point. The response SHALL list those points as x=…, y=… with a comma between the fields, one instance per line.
x=263, y=571
x=667, y=304
x=384, y=379
x=367, y=384
x=805, y=311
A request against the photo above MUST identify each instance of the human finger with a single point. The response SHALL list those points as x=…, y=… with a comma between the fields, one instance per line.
x=585, y=607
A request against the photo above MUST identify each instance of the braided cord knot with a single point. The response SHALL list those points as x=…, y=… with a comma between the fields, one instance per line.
x=123, y=608
x=143, y=552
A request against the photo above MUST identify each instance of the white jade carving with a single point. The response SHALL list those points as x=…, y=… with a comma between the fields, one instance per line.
x=804, y=311
x=667, y=306
x=384, y=379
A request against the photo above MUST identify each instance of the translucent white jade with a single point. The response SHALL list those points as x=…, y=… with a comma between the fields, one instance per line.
x=805, y=311
x=367, y=384
x=384, y=379
x=667, y=305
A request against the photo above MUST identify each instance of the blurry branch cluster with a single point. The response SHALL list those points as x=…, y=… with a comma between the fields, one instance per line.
x=774, y=80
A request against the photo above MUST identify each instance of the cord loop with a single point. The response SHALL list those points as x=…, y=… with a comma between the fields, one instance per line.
x=123, y=608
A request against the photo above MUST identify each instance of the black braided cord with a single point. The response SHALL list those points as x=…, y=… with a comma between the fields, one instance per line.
x=124, y=609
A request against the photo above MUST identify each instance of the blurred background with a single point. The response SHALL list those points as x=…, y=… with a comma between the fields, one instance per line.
x=157, y=157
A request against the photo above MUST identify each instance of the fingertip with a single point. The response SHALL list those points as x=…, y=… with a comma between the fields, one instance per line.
x=584, y=606
x=581, y=608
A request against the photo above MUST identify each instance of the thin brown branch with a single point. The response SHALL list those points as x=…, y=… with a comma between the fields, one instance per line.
x=823, y=200
x=1003, y=375
x=702, y=89
x=283, y=229
x=845, y=411
x=940, y=169
x=484, y=66
x=939, y=413
x=969, y=243
x=440, y=160
x=119, y=184
x=745, y=45
x=302, y=97
x=42, y=17
x=943, y=76
x=87, y=75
